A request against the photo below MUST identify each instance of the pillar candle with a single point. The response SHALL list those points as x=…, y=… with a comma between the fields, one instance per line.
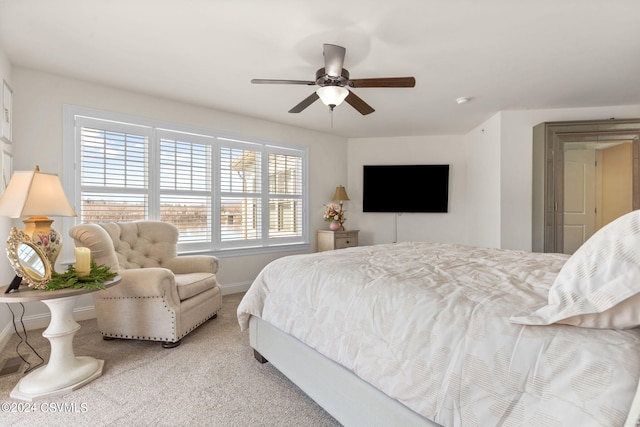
x=83, y=261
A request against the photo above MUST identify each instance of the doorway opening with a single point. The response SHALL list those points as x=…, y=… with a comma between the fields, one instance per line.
x=585, y=175
x=598, y=188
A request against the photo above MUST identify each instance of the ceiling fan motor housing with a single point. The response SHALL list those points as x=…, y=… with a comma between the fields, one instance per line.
x=324, y=79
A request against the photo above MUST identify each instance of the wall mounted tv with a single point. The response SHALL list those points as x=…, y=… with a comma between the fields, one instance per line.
x=405, y=188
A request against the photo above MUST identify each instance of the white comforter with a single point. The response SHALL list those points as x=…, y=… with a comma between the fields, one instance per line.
x=428, y=324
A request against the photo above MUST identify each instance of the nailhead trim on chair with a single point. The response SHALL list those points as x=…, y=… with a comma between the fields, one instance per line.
x=155, y=338
x=173, y=324
x=200, y=323
x=173, y=321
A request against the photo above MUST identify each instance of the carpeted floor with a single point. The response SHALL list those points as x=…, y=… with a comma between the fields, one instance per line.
x=211, y=379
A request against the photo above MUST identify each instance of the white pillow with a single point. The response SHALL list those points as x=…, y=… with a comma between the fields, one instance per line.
x=599, y=286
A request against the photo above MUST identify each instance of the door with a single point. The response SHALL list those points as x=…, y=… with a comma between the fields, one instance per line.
x=579, y=198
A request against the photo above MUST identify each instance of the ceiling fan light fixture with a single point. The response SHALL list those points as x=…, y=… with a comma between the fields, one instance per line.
x=332, y=96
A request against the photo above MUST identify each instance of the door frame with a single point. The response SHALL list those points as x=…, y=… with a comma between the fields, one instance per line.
x=548, y=171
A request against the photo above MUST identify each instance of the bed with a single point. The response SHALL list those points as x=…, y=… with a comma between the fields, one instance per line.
x=430, y=334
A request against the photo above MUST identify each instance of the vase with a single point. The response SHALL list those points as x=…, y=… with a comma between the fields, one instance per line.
x=334, y=226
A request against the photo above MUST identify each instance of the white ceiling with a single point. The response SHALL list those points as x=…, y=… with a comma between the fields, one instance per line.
x=503, y=54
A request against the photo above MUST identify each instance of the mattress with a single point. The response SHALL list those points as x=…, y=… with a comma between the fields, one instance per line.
x=428, y=325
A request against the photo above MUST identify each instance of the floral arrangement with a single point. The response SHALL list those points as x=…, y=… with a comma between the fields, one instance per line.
x=334, y=212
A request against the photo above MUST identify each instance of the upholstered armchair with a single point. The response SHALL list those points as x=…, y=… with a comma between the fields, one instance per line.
x=162, y=296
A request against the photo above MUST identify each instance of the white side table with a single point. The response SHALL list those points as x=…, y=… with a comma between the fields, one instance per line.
x=65, y=372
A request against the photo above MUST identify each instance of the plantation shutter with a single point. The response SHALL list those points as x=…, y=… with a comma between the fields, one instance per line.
x=185, y=185
x=114, y=172
x=240, y=194
x=285, y=196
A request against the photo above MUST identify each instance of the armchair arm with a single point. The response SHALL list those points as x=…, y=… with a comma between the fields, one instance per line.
x=144, y=282
x=193, y=263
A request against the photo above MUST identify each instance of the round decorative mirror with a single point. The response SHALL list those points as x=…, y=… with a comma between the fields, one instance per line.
x=28, y=260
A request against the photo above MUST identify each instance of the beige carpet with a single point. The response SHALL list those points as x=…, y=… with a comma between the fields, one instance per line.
x=211, y=379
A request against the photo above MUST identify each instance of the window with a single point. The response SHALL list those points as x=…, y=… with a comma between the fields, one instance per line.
x=285, y=193
x=185, y=186
x=113, y=173
x=261, y=193
x=221, y=193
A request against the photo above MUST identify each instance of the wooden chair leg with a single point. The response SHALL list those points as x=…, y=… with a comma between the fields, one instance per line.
x=167, y=344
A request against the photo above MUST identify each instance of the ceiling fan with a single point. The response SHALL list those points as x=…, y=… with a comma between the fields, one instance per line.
x=333, y=80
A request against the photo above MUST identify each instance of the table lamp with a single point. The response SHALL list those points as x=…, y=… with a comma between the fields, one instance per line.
x=36, y=195
x=340, y=196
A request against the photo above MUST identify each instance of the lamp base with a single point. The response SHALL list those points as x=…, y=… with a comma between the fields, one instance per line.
x=47, y=239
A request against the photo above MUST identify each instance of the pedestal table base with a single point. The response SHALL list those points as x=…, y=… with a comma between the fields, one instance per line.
x=65, y=372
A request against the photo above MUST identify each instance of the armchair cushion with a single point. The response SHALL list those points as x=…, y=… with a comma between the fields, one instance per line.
x=191, y=284
x=189, y=263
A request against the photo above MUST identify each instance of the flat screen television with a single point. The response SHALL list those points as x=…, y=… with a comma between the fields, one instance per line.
x=405, y=188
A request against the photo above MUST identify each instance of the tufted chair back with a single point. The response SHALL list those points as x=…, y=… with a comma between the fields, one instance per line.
x=126, y=245
x=142, y=244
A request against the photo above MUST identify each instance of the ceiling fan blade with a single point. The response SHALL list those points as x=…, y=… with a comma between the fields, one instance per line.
x=284, y=82
x=384, y=82
x=356, y=102
x=305, y=103
x=333, y=59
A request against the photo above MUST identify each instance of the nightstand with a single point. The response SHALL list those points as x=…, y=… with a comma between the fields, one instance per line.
x=329, y=240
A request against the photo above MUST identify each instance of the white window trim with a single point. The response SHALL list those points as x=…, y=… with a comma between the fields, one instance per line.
x=71, y=184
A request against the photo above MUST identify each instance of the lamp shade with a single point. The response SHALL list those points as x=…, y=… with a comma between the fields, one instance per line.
x=340, y=195
x=332, y=95
x=33, y=193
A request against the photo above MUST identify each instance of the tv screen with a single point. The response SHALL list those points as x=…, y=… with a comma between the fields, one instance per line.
x=405, y=188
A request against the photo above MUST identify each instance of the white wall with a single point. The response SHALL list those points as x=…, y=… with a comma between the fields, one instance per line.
x=483, y=184
x=512, y=132
x=378, y=228
x=491, y=182
x=38, y=102
x=6, y=273
x=517, y=141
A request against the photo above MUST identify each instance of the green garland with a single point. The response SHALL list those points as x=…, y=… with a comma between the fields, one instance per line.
x=70, y=279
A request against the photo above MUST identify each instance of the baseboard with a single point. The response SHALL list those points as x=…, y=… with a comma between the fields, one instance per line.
x=6, y=335
x=235, y=288
x=40, y=321
x=84, y=313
